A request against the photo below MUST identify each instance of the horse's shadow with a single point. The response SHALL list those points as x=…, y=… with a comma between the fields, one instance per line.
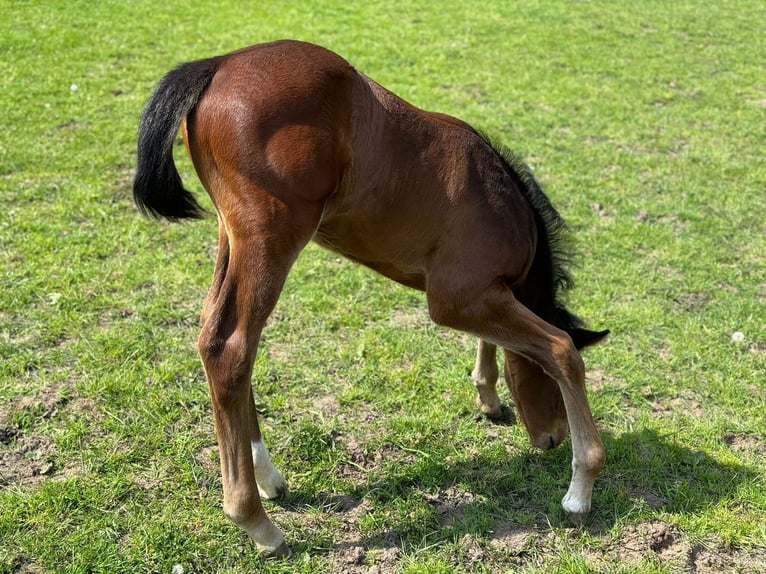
x=644, y=471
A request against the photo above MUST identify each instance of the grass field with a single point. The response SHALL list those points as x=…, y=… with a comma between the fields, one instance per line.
x=646, y=125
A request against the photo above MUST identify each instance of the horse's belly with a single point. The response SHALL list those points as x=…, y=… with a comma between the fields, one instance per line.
x=400, y=261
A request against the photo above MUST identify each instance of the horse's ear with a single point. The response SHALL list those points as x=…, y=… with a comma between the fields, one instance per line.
x=584, y=338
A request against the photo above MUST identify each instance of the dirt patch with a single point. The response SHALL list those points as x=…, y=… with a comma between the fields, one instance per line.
x=26, y=459
x=47, y=403
x=470, y=552
x=328, y=405
x=353, y=553
x=598, y=380
x=712, y=559
x=350, y=510
x=745, y=442
x=9, y=435
x=25, y=565
x=358, y=560
x=604, y=212
x=350, y=560
x=364, y=459
x=675, y=222
x=26, y=455
x=513, y=545
x=513, y=539
x=416, y=317
x=347, y=415
x=654, y=541
x=662, y=538
x=207, y=458
x=694, y=301
x=669, y=406
x=450, y=504
x=650, y=498
x=665, y=544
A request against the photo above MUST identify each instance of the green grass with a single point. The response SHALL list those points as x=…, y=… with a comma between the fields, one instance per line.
x=644, y=123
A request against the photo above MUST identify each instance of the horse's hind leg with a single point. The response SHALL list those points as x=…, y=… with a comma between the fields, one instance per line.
x=271, y=484
x=263, y=239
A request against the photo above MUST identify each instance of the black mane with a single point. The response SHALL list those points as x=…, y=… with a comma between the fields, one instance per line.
x=554, y=247
x=556, y=230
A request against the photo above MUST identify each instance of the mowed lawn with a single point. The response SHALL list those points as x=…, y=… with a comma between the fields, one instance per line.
x=645, y=122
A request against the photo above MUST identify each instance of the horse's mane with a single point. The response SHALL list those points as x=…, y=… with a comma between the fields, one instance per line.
x=554, y=231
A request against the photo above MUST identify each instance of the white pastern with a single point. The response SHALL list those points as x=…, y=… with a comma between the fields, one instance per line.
x=271, y=483
x=575, y=503
x=577, y=500
x=269, y=540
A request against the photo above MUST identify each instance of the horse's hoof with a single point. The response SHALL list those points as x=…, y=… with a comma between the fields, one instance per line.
x=578, y=518
x=576, y=509
x=503, y=416
x=274, y=492
x=281, y=551
x=272, y=487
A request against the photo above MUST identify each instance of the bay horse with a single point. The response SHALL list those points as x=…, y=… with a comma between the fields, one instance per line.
x=293, y=144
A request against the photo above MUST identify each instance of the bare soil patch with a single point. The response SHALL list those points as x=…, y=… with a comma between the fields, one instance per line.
x=450, y=503
x=669, y=406
x=745, y=442
x=664, y=543
x=27, y=455
x=358, y=560
x=650, y=498
x=25, y=459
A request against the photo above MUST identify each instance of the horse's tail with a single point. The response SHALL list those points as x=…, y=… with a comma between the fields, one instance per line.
x=157, y=187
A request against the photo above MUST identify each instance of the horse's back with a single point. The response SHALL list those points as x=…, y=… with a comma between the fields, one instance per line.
x=296, y=77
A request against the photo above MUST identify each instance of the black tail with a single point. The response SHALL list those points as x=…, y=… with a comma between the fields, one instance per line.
x=157, y=187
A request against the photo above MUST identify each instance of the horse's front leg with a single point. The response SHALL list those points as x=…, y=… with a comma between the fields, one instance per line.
x=484, y=377
x=496, y=315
